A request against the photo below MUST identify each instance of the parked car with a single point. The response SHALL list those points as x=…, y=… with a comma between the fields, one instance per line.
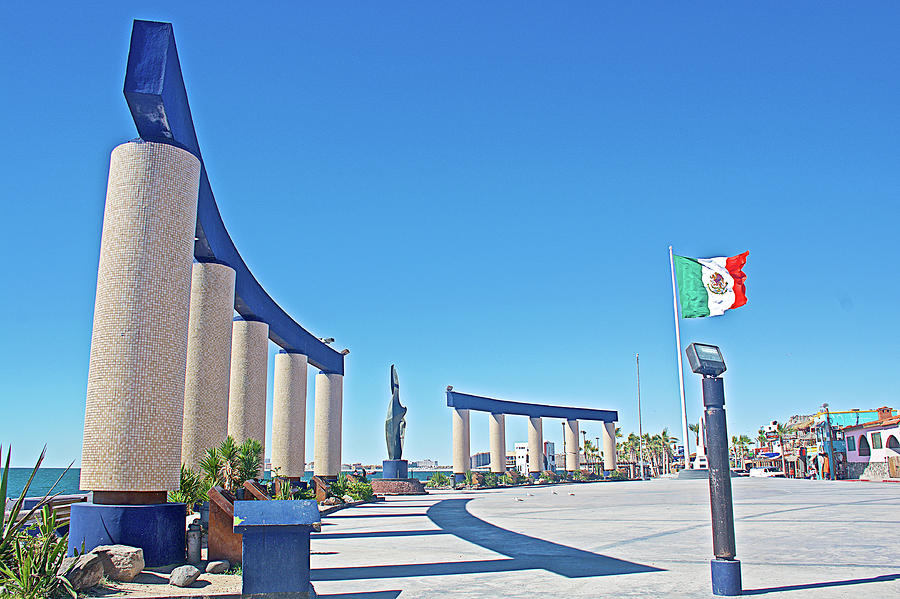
x=740, y=472
x=766, y=473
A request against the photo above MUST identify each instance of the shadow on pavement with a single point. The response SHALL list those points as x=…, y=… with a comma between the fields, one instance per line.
x=524, y=553
x=371, y=595
x=823, y=585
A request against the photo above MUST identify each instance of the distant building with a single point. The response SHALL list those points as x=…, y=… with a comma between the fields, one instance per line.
x=522, y=458
x=510, y=460
x=873, y=446
x=426, y=464
x=480, y=460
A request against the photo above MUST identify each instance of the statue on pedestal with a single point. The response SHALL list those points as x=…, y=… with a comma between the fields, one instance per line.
x=395, y=423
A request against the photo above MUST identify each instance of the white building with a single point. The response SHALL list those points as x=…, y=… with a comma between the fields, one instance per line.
x=522, y=458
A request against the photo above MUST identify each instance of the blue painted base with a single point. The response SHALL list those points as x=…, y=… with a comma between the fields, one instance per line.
x=534, y=475
x=726, y=577
x=395, y=469
x=158, y=529
x=459, y=478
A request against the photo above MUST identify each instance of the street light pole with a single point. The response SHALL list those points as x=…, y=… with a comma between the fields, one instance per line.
x=829, y=447
x=637, y=362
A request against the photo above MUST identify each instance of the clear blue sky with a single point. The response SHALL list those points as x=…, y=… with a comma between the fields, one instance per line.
x=489, y=192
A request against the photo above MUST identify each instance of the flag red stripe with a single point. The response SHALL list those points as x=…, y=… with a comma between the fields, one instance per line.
x=734, y=266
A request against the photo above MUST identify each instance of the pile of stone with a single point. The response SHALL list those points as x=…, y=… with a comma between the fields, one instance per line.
x=115, y=562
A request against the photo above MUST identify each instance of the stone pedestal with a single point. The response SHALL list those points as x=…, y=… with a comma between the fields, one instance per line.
x=394, y=469
x=158, y=529
x=404, y=486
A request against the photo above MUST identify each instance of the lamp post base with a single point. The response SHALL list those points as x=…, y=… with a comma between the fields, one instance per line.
x=726, y=577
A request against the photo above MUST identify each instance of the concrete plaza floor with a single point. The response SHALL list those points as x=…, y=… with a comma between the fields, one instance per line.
x=795, y=539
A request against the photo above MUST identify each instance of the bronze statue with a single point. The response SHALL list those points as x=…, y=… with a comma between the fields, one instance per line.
x=395, y=423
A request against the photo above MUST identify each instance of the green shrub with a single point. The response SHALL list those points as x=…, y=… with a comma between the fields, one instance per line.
x=32, y=570
x=192, y=489
x=490, y=480
x=439, y=479
x=360, y=490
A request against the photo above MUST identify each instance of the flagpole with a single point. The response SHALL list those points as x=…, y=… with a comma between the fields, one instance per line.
x=637, y=363
x=684, y=420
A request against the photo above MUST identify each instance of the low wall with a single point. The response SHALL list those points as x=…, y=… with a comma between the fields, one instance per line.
x=868, y=470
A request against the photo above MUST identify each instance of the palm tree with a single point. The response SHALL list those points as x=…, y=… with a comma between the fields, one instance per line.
x=695, y=428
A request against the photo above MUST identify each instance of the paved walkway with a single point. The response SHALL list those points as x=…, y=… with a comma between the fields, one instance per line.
x=795, y=539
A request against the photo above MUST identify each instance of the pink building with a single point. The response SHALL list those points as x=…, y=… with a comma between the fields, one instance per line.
x=872, y=445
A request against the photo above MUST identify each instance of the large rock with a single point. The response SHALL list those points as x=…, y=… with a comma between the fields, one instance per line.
x=217, y=567
x=184, y=576
x=120, y=562
x=83, y=571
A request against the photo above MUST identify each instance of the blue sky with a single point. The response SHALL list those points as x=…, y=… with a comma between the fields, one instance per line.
x=484, y=196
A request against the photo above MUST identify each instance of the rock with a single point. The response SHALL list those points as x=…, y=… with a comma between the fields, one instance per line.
x=184, y=576
x=120, y=562
x=83, y=571
x=332, y=501
x=218, y=567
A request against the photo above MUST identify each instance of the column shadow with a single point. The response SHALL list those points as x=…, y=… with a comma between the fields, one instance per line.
x=522, y=553
x=823, y=585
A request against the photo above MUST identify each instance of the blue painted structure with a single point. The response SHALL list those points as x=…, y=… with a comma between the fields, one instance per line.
x=464, y=401
x=395, y=469
x=275, y=550
x=151, y=527
x=156, y=96
x=726, y=577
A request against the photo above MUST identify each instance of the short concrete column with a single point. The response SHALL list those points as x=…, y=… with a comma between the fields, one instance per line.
x=135, y=388
x=573, y=454
x=249, y=371
x=208, y=360
x=461, y=454
x=327, y=443
x=498, y=442
x=535, y=447
x=289, y=415
x=609, y=446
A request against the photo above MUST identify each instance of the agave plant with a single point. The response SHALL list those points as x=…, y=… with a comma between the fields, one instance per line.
x=11, y=522
x=34, y=570
x=250, y=458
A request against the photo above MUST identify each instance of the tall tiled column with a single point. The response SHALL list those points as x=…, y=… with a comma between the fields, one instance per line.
x=609, y=446
x=535, y=447
x=498, y=442
x=289, y=415
x=461, y=455
x=327, y=442
x=249, y=371
x=135, y=389
x=208, y=360
x=572, y=442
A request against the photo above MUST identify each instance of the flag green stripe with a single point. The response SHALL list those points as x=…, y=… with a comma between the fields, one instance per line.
x=691, y=292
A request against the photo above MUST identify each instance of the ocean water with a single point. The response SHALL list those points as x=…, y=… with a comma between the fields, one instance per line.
x=46, y=477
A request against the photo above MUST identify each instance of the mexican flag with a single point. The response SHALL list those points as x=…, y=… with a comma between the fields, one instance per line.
x=709, y=286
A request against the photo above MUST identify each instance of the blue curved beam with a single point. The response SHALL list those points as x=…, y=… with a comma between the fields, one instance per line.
x=156, y=96
x=464, y=401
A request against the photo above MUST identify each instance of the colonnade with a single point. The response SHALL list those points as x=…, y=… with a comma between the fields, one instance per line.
x=462, y=404
x=172, y=371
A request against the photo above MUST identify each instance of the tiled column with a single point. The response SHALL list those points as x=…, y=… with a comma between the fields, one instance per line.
x=609, y=446
x=249, y=371
x=135, y=389
x=208, y=360
x=289, y=415
x=461, y=454
x=498, y=442
x=327, y=442
x=572, y=441
x=535, y=447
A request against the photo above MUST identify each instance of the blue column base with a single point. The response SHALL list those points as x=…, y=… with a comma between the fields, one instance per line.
x=395, y=469
x=459, y=478
x=276, y=560
x=534, y=475
x=158, y=529
x=726, y=577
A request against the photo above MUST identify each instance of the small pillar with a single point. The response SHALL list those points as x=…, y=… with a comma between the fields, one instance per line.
x=327, y=442
x=461, y=453
x=289, y=415
x=498, y=443
x=573, y=454
x=609, y=446
x=208, y=360
x=535, y=447
x=249, y=371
